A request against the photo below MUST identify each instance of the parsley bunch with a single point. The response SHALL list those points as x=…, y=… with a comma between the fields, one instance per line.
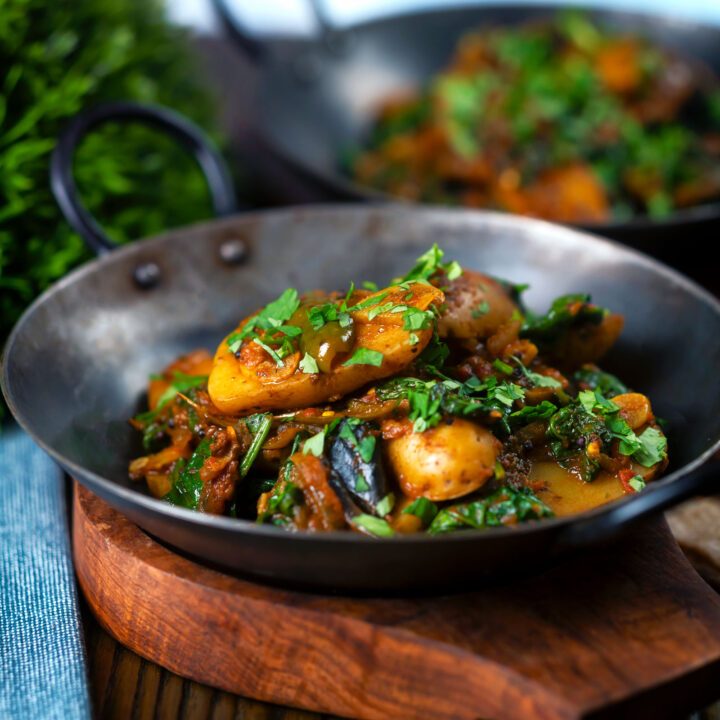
x=57, y=59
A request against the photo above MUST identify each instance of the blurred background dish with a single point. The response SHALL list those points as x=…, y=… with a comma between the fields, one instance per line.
x=317, y=100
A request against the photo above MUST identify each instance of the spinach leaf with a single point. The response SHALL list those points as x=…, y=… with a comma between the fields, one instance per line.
x=565, y=311
x=603, y=382
x=505, y=506
x=186, y=482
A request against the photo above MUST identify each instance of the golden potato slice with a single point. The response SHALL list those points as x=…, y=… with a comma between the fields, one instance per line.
x=253, y=381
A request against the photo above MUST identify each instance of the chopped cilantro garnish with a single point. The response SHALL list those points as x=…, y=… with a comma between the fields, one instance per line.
x=536, y=378
x=385, y=506
x=315, y=445
x=423, y=508
x=374, y=525
x=379, y=310
x=503, y=367
x=273, y=354
x=309, y=365
x=636, y=483
x=361, y=484
x=321, y=315
x=365, y=356
x=428, y=264
x=653, y=445
x=368, y=302
x=368, y=285
x=271, y=317
x=482, y=309
x=414, y=319
x=259, y=425
x=181, y=383
x=530, y=413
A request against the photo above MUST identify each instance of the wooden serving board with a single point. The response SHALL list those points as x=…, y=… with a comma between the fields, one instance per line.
x=626, y=630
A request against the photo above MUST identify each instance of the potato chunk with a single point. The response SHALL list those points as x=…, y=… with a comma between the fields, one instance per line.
x=444, y=462
x=253, y=381
x=477, y=305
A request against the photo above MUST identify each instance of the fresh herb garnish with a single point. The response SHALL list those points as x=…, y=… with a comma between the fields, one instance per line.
x=565, y=311
x=315, y=445
x=423, y=508
x=309, y=365
x=373, y=525
x=361, y=484
x=482, y=309
x=385, y=506
x=185, y=478
x=365, y=356
x=503, y=507
x=259, y=426
x=536, y=378
x=653, y=447
x=428, y=264
x=270, y=318
x=603, y=382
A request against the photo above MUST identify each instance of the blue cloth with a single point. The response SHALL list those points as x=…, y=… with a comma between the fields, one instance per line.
x=42, y=655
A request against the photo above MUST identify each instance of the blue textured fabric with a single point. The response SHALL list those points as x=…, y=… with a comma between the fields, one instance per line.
x=42, y=656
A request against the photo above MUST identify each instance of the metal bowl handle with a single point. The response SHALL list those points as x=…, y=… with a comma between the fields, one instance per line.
x=254, y=48
x=702, y=480
x=185, y=132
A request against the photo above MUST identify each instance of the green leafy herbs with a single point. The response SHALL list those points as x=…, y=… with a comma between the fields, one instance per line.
x=373, y=525
x=587, y=426
x=361, y=484
x=365, y=445
x=431, y=400
x=428, y=264
x=603, y=382
x=180, y=383
x=415, y=319
x=423, y=508
x=566, y=311
x=259, y=426
x=285, y=497
x=58, y=59
x=270, y=321
x=536, y=378
x=386, y=505
x=653, y=447
x=185, y=478
x=365, y=356
x=315, y=445
x=504, y=507
x=309, y=365
x=531, y=413
x=482, y=309
x=320, y=315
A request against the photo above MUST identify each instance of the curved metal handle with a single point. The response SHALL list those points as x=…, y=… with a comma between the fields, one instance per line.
x=702, y=480
x=188, y=134
x=256, y=49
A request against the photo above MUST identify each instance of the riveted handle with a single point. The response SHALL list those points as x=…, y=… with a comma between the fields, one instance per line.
x=185, y=132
